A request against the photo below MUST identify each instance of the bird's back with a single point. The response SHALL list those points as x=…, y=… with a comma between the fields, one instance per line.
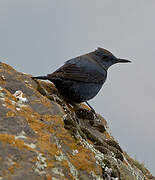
x=83, y=68
x=79, y=79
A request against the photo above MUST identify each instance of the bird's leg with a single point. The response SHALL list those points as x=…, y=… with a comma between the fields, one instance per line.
x=90, y=107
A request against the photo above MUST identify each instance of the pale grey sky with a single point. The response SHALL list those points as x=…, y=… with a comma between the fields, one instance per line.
x=37, y=36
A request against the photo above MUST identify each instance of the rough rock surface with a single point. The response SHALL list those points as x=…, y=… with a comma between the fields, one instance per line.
x=42, y=137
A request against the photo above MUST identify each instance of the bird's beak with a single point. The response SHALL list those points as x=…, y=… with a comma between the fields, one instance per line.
x=123, y=61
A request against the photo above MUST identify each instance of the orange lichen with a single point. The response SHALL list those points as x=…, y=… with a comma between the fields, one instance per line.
x=57, y=120
x=44, y=144
x=48, y=177
x=2, y=82
x=44, y=134
x=10, y=114
x=47, y=117
x=107, y=135
x=45, y=102
x=11, y=169
x=7, y=67
x=10, y=139
x=50, y=163
x=9, y=96
x=26, y=110
x=36, y=125
x=7, y=138
x=65, y=163
x=9, y=104
x=84, y=160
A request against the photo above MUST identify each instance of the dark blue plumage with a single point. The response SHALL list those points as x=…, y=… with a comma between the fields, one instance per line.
x=81, y=78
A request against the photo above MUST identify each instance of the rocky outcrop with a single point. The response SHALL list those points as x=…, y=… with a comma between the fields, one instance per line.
x=42, y=137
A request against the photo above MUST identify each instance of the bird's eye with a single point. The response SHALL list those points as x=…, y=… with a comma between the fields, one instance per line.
x=105, y=58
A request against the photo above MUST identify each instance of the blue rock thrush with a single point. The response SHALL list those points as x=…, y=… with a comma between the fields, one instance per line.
x=81, y=78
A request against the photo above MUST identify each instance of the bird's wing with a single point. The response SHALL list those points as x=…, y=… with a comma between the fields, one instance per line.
x=76, y=73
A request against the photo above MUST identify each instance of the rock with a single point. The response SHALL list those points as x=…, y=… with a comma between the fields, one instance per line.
x=43, y=137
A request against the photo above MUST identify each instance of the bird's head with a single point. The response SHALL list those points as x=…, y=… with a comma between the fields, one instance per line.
x=107, y=59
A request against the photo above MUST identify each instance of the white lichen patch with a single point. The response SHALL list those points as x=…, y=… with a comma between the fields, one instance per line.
x=3, y=77
x=20, y=97
x=2, y=95
x=31, y=145
x=4, y=105
x=18, y=109
x=27, y=82
x=64, y=117
x=107, y=130
x=21, y=135
x=13, y=102
x=1, y=88
x=53, y=178
x=95, y=176
x=10, y=161
x=135, y=171
x=73, y=170
x=62, y=156
x=40, y=165
x=98, y=155
x=108, y=170
x=75, y=151
x=58, y=171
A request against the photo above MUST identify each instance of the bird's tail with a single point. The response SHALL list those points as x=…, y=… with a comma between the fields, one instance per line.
x=40, y=77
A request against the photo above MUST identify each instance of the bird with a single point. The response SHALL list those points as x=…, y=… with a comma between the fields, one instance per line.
x=81, y=78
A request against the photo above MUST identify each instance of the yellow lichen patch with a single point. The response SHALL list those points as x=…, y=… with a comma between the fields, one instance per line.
x=5, y=138
x=47, y=117
x=84, y=160
x=10, y=114
x=45, y=102
x=57, y=120
x=54, y=122
x=26, y=110
x=48, y=177
x=50, y=163
x=107, y=135
x=43, y=140
x=64, y=163
x=35, y=124
x=66, y=137
x=43, y=135
x=9, y=104
x=7, y=67
x=9, y=98
x=32, y=117
x=44, y=143
x=35, y=101
x=13, y=167
x=2, y=82
x=10, y=139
